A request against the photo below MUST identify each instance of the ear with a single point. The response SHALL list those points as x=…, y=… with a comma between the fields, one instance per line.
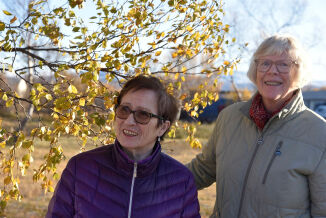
x=165, y=126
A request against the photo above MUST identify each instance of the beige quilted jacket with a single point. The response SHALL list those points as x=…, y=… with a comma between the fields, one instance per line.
x=277, y=172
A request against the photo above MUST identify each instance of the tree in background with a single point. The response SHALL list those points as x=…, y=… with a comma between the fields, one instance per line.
x=252, y=20
x=102, y=43
x=261, y=21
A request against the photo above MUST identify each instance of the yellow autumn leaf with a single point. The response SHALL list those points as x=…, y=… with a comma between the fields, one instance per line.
x=13, y=19
x=72, y=89
x=176, y=76
x=6, y=12
x=10, y=68
x=231, y=71
x=158, y=53
x=194, y=114
x=183, y=97
x=195, y=143
x=3, y=144
x=27, y=144
x=2, y=26
x=187, y=107
x=82, y=102
x=67, y=129
x=7, y=180
x=22, y=169
x=196, y=36
x=153, y=44
x=159, y=35
x=143, y=64
x=189, y=28
x=50, y=189
x=9, y=103
x=120, y=26
x=216, y=97
x=5, y=97
x=48, y=97
x=27, y=158
x=55, y=116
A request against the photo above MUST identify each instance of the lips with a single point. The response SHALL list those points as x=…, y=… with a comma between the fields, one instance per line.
x=129, y=132
x=273, y=83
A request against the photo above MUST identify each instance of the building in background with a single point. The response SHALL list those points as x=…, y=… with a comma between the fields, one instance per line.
x=313, y=99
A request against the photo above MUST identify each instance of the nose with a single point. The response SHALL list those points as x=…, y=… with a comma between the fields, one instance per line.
x=273, y=69
x=130, y=119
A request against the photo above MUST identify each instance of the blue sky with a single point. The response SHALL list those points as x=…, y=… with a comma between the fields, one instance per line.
x=310, y=30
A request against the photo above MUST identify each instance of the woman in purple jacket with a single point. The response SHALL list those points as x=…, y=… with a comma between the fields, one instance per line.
x=132, y=177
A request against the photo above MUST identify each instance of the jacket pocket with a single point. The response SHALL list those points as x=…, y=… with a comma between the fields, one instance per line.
x=276, y=153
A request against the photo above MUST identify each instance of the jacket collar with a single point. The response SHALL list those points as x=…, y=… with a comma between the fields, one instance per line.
x=144, y=167
x=288, y=112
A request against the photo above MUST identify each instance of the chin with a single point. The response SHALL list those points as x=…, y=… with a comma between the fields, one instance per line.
x=126, y=143
x=272, y=96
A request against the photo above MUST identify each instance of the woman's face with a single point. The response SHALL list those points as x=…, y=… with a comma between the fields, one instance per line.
x=139, y=139
x=277, y=84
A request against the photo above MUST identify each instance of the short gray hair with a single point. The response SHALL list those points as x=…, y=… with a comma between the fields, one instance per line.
x=277, y=45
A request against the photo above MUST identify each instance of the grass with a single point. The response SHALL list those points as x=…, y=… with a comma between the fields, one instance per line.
x=35, y=201
x=202, y=131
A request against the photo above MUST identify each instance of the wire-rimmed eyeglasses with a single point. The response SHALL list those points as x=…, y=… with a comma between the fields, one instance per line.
x=282, y=66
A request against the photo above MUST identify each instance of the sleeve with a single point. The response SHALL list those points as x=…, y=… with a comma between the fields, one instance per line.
x=317, y=185
x=191, y=204
x=62, y=201
x=203, y=166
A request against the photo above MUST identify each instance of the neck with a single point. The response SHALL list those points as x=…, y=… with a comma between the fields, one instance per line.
x=137, y=155
x=272, y=106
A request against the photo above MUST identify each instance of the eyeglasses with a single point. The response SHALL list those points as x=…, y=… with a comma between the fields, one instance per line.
x=282, y=66
x=142, y=117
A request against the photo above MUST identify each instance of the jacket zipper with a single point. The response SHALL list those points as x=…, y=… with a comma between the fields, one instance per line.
x=276, y=153
x=259, y=142
x=132, y=189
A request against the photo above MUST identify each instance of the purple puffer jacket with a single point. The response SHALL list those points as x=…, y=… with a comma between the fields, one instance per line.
x=104, y=182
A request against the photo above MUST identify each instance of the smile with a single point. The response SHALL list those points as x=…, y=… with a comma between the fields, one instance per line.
x=273, y=83
x=129, y=133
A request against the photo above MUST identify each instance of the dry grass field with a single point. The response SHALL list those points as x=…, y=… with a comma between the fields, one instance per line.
x=34, y=202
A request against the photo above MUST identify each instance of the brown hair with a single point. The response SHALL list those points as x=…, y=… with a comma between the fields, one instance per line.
x=168, y=106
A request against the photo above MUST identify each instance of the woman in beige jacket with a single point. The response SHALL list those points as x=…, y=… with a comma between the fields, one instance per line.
x=267, y=155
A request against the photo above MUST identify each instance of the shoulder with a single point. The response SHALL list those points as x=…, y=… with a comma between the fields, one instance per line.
x=313, y=117
x=308, y=127
x=234, y=110
x=312, y=121
x=232, y=116
x=103, y=150
x=234, y=107
x=94, y=156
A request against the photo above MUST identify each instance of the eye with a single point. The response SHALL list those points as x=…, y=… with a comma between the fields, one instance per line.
x=265, y=63
x=124, y=109
x=143, y=114
x=283, y=64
